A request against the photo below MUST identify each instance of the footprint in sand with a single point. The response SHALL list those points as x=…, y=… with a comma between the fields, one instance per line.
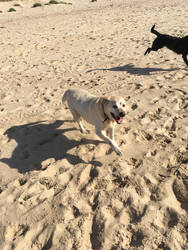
x=180, y=189
x=170, y=218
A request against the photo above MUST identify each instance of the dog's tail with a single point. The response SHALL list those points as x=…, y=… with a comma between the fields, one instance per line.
x=154, y=31
x=64, y=99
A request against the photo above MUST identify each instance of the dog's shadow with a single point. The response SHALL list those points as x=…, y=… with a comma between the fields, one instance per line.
x=39, y=141
x=131, y=69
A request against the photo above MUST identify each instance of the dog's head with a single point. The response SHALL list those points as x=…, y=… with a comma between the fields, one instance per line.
x=114, y=108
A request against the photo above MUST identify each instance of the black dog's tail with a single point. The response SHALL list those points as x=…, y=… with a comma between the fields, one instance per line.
x=154, y=31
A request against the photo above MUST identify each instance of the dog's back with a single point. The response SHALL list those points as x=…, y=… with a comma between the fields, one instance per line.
x=81, y=102
x=79, y=95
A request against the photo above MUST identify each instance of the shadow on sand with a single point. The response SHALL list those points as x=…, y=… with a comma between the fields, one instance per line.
x=38, y=141
x=131, y=69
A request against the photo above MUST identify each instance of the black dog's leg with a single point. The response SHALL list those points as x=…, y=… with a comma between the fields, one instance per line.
x=147, y=51
x=151, y=49
x=185, y=58
x=157, y=44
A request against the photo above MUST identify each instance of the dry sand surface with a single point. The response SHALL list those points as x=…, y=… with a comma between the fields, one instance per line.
x=62, y=190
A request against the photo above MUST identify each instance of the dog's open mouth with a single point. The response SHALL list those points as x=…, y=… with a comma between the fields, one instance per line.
x=118, y=119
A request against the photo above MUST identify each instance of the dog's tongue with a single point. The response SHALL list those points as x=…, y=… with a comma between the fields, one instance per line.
x=120, y=120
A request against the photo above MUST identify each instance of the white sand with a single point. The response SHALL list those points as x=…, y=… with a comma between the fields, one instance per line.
x=60, y=189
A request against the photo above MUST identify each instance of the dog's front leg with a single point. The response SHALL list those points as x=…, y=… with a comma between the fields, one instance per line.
x=111, y=142
x=111, y=132
x=185, y=58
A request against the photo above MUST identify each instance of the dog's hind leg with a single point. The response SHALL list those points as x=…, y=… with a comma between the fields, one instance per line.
x=77, y=119
x=82, y=129
x=153, y=48
x=184, y=56
x=157, y=44
x=147, y=51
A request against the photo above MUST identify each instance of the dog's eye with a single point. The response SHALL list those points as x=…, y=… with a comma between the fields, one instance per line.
x=115, y=106
x=122, y=104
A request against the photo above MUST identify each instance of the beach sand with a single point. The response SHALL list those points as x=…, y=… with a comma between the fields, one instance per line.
x=60, y=189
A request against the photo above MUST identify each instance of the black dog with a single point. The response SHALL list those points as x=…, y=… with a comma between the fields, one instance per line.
x=177, y=44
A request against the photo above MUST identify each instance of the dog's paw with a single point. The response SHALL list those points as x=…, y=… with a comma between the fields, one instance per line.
x=118, y=151
x=83, y=130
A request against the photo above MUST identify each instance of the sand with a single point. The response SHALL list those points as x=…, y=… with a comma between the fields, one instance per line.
x=60, y=189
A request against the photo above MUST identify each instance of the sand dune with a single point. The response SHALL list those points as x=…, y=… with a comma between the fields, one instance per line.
x=60, y=189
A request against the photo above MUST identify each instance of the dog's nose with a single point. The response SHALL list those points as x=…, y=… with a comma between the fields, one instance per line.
x=122, y=114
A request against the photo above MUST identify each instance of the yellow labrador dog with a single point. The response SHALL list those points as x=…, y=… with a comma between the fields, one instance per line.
x=102, y=112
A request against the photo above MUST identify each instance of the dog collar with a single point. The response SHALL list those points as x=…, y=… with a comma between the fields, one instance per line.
x=106, y=118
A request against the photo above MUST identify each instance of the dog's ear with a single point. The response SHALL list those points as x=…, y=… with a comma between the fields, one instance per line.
x=105, y=97
x=105, y=100
x=126, y=98
x=100, y=107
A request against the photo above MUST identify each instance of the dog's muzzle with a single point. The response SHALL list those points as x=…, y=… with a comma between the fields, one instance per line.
x=119, y=119
x=122, y=114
